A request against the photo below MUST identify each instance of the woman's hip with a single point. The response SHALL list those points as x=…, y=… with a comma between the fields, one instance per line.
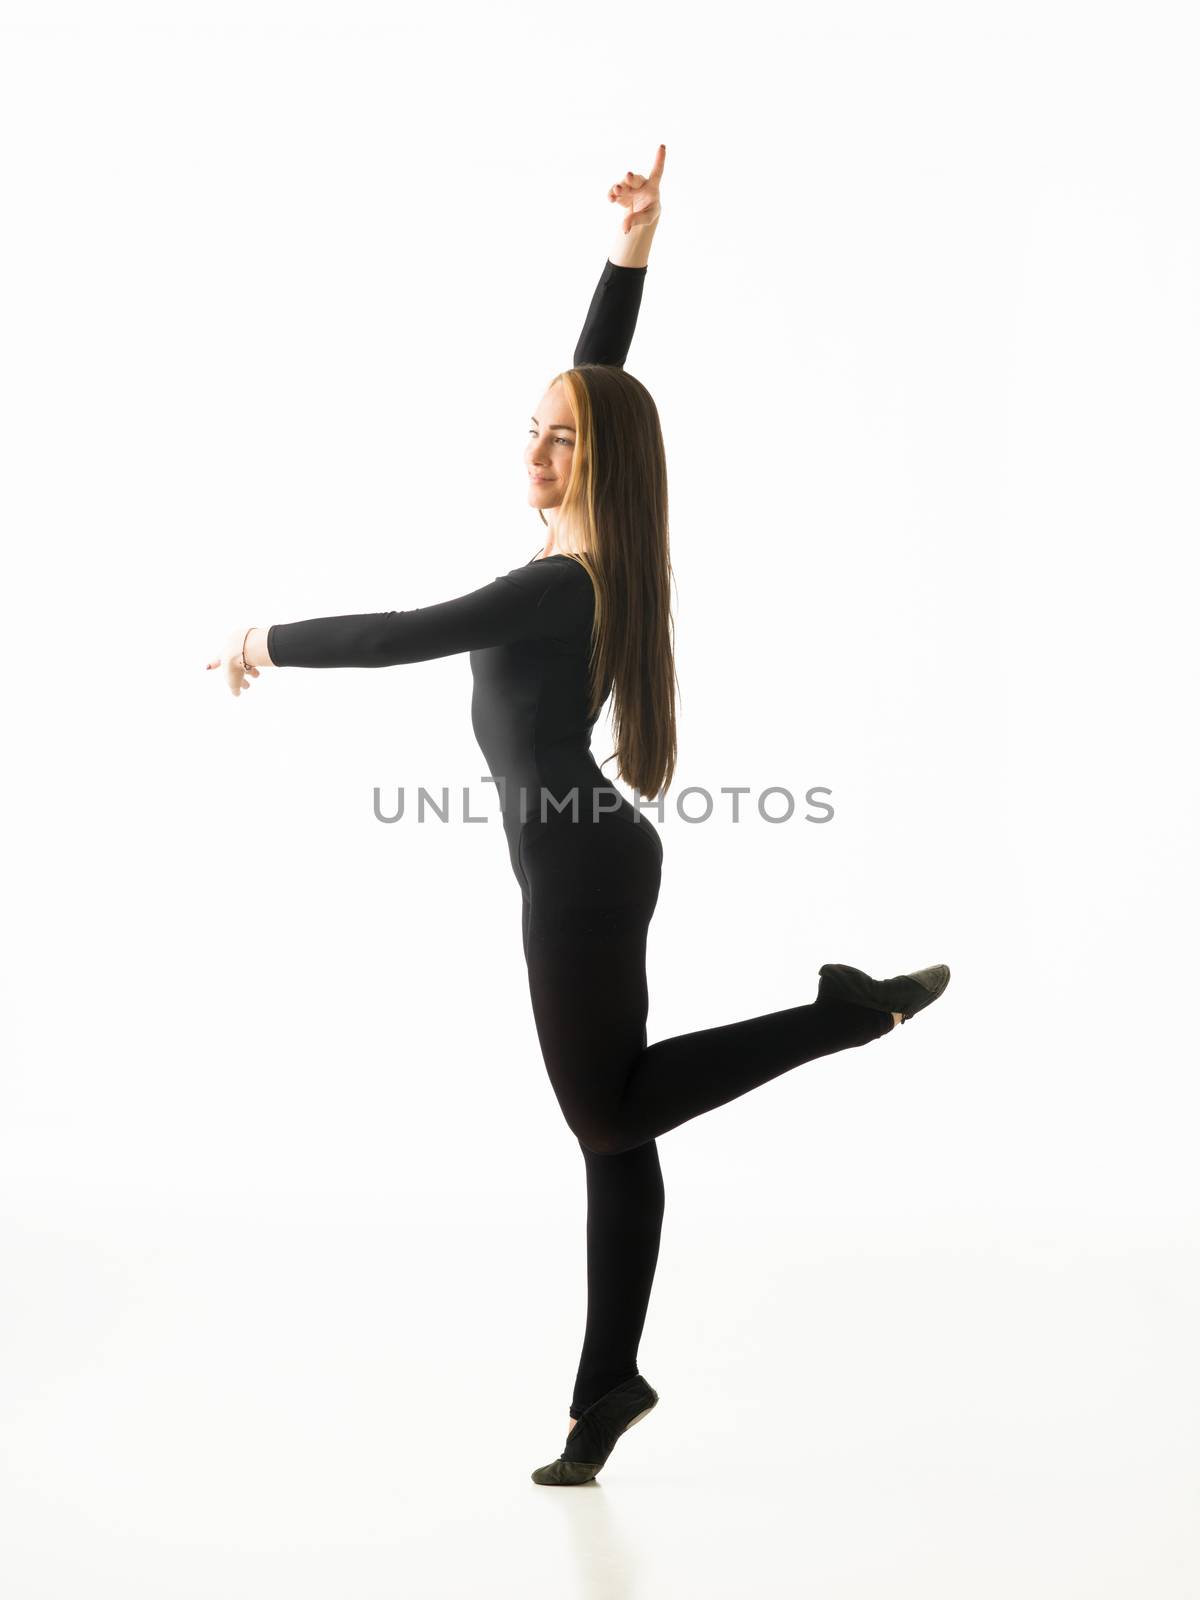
x=589, y=861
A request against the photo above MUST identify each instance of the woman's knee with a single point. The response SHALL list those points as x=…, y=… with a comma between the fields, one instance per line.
x=601, y=1139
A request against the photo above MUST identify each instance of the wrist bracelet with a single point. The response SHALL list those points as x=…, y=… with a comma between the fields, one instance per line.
x=245, y=663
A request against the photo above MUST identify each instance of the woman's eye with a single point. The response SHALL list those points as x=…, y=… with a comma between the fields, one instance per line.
x=533, y=433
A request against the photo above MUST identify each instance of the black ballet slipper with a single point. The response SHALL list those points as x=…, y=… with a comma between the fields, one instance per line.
x=590, y=1442
x=908, y=994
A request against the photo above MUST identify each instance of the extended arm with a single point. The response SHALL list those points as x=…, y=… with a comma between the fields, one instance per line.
x=527, y=603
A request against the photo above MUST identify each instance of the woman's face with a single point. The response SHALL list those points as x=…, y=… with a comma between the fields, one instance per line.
x=549, y=449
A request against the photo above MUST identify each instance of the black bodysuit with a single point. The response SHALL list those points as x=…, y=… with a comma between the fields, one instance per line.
x=589, y=877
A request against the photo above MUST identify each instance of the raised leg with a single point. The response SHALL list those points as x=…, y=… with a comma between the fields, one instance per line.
x=588, y=987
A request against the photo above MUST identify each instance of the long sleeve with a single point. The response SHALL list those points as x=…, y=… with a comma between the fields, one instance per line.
x=530, y=602
x=612, y=316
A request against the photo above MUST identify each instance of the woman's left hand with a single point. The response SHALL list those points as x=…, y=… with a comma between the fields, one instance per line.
x=639, y=195
x=230, y=662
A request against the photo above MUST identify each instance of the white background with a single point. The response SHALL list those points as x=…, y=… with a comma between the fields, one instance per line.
x=291, y=1228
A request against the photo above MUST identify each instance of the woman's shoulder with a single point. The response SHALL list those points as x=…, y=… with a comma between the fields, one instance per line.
x=559, y=585
x=545, y=572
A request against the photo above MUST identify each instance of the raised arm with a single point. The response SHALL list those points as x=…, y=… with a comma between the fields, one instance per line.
x=612, y=316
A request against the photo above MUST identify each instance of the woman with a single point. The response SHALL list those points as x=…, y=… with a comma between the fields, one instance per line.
x=549, y=641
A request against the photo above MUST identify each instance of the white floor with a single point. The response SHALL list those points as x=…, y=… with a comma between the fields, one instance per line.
x=296, y=1395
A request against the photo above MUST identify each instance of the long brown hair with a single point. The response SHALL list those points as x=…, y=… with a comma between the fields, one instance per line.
x=613, y=521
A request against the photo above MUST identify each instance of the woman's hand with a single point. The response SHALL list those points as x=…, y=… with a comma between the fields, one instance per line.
x=236, y=675
x=639, y=195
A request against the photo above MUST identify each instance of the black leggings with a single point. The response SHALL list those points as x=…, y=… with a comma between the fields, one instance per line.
x=589, y=891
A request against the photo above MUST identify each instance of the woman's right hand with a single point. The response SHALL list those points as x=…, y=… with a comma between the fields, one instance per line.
x=229, y=660
x=639, y=195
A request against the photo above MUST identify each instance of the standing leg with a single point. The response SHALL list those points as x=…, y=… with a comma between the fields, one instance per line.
x=625, y=1206
x=625, y=1202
